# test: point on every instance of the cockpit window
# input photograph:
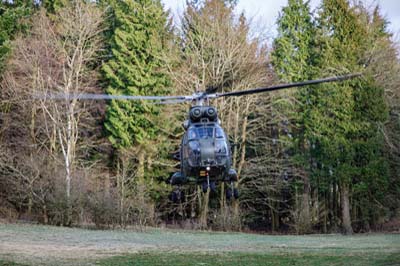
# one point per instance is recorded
(219, 133)
(201, 132)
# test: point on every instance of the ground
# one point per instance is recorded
(46, 245)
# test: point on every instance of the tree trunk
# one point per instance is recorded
(141, 189)
(334, 206)
(140, 177)
(346, 221)
(121, 164)
(236, 203)
(204, 209)
(326, 206)
(67, 142)
(106, 185)
(305, 219)
(222, 203)
(45, 216)
(272, 213)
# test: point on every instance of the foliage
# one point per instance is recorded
(309, 160)
(335, 132)
(294, 57)
(135, 68)
(13, 19)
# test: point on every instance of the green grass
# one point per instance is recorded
(22, 245)
(247, 259)
(10, 263)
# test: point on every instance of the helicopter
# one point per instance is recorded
(205, 151)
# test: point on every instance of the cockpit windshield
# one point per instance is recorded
(205, 132)
(219, 133)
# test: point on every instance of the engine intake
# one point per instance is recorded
(199, 113)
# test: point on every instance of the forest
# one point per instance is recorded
(318, 159)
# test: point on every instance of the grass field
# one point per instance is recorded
(45, 245)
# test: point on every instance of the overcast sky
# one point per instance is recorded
(267, 10)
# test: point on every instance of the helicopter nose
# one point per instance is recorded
(207, 151)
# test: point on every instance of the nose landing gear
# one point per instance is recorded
(208, 184)
(178, 196)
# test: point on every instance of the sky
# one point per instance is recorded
(267, 11)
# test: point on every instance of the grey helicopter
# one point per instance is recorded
(205, 151)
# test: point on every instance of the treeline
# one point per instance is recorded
(323, 158)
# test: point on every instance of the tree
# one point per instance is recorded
(218, 52)
(56, 58)
(293, 57)
(138, 38)
(352, 111)
(135, 69)
(333, 126)
(374, 190)
(13, 19)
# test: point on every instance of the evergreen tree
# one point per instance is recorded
(372, 179)
(292, 54)
(335, 127)
(13, 18)
(52, 6)
(340, 39)
(137, 39)
(293, 58)
(349, 112)
(135, 69)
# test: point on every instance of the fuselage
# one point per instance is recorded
(205, 151)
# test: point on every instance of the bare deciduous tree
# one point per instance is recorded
(57, 57)
(218, 52)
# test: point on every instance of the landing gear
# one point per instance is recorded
(232, 192)
(177, 179)
(208, 184)
(177, 196)
(232, 175)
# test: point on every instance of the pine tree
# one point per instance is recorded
(349, 112)
(340, 36)
(293, 58)
(135, 69)
(138, 33)
(13, 19)
(336, 135)
(371, 181)
(292, 54)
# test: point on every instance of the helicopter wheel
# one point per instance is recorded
(228, 193)
(232, 193)
(235, 193)
(182, 197)
(212, 186)
(177, 196)
(204, 187)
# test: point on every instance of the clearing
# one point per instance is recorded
(22, 244)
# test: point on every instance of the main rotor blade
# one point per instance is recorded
(285, 86)
(92, 96)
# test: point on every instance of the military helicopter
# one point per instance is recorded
(205, 151)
